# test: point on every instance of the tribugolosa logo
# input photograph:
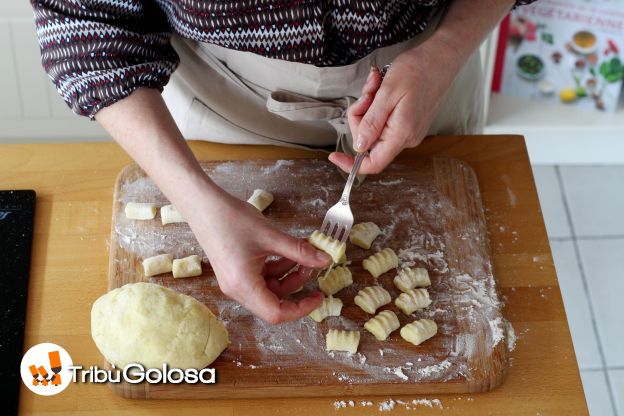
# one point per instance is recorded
(45, 369)
(4, 214)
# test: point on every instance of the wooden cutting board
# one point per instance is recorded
(430, 213)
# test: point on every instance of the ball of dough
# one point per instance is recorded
(151, 325)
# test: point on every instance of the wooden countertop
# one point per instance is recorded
(74, 185)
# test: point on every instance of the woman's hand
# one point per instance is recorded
(237, 239)
(395, 114)
(398, 114)
(235, 235)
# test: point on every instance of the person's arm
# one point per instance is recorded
(97, 52)
(114, 75)
(398, 114)
(143, 126)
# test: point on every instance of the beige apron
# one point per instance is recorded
(229, 96)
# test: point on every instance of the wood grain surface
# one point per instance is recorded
(430, 212)
(75, 182)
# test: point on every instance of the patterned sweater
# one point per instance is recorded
(98, 51)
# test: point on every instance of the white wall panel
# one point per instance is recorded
(31, 78)
(11, 9)
(10, 101)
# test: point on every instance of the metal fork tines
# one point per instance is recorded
(339, 219)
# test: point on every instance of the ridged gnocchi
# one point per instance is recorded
(412, 277)
(382, 324)
(336, 249)
(261, 199)
(341, 340)
(419, 331)
(381, 262)
(330, 307)
(363, 234)
(335, 280)
(413, 300)
(372, 297)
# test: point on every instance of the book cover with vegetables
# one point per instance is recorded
(567, 51)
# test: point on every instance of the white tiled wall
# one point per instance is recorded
(582, 207)
(30, 108)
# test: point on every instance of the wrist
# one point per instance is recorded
(444, 53)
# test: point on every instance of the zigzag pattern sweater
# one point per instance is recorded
(98, 51)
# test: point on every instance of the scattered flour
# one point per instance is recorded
(498, 334)
(278, 165)
(433, 369)
(339, 404)
(427, 402)
(511, 336)
(389, 183)
(316, 203)
(387, 405)
(397, 371)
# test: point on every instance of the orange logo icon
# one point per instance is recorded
(55, 366)
(45, 369)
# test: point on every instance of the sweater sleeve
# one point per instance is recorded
(98, 51)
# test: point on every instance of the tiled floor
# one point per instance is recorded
(583, 207)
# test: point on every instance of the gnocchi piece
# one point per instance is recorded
(261, 199)
(372, 297)
(334, 248)
(140, 210)
(381, 262)
(419, 331)
(413, 300)
(187, 267)
(335, 280)
(382, 324)
(160, 264)
(169, 214)
(363, 234)
(330, 307)
(412, 277)
(341, 340)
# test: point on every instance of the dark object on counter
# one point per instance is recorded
(17, 211)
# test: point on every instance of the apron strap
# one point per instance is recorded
(297, 107)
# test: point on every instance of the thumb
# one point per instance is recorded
(298, 250)
(372, 123)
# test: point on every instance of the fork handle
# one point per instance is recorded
(352, 175)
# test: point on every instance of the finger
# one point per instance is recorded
(278, 268)
(359, 107)
(380, 156)
(343, 161)
(290, 283)
(265, 304)
(373, 82)
(295, 249)
(373, 122)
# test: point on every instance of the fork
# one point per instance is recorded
(339, 218)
